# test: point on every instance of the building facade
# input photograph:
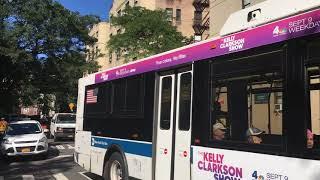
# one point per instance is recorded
(201, 19)
(180, 13)
(98, 52)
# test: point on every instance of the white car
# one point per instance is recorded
(63, 125)
(24, 138)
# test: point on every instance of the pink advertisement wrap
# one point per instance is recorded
(221, 164)
(289, 28)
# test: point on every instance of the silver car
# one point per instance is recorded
(24, 138)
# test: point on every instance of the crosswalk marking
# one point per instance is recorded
(70, 147)
(83, 174)
(59, 147)
(60, 176)
(27, 177)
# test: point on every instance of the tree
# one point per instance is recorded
(144, 33)
(42, 51)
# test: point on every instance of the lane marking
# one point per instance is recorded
(59, 147)
(27, 177)
(60, 176)
(62, 156)
(70, 147)
(82, 173)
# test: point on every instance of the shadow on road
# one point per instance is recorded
(52, 153)
(45, 167)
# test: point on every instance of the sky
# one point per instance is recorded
(85, 7)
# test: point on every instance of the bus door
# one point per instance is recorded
(173, 133)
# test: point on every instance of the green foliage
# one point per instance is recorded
(144, 33)
(42, 51)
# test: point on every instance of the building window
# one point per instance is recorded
(119, 13)
(118, 54)
(89, 56)
(178, 15)
(97, 34)
(118, 31)
(169, 12)
(127, 4)
(246, 3)
(135, 3)
(110, 57)
(96, 52)
(92, 53)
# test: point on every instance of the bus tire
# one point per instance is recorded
(115, 168)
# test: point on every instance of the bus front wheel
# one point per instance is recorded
(115, 168)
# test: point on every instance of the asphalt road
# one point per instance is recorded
(59, 165)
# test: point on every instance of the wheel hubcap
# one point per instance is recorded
(116, 171)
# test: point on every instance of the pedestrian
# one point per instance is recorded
(3, 125)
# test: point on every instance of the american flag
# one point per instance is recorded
(92, 96)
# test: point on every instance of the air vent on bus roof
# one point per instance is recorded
(265, 12)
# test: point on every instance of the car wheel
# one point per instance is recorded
(44, 156)
(115, 168)
(7, 159)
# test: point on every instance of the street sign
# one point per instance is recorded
(71, 106)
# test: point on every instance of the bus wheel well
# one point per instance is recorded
(112, 149)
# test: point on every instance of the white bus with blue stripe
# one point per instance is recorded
(158, 118)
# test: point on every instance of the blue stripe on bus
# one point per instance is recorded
(137, 148)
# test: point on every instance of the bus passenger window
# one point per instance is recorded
(313, 131)
(265, 109)
(248, 109)
(220, 114)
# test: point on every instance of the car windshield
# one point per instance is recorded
(66, 118)
(23, 128)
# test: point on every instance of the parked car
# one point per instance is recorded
(63, 125)
(24, 138)
(45, 124)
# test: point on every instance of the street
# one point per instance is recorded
(59, 165)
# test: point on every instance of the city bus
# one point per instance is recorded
(156, 118)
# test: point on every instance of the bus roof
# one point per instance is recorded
(265, 12)
(302, 24)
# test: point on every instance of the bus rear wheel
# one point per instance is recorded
(115, 168)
